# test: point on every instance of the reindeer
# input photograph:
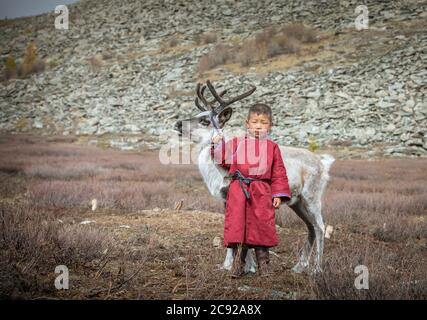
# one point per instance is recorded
(308, 173)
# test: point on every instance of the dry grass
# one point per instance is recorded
(96, 62)
(33, 242)
(205, 38)
(31, 64)
(266, 44)
(169, 43)
(299, 32)
(11, 70)
(173, 42)
(219, 55)
(393, 273)
(137, 246)
(64, 175)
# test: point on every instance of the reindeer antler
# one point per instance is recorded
(224, 104)
(207, 105)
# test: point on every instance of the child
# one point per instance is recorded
(259, 184)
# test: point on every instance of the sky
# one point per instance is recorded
(22, 8)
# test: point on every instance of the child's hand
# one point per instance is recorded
(276, 202)
(217, 138)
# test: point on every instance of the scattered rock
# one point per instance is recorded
(86, 222)
(217, 242)
(94, 204)
(329, 231)
(117, 78)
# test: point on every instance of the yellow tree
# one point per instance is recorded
(29, 59)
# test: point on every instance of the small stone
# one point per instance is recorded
(94, 203)
(328, 232)
(38, 124)
(390, 127)
(86, 222)
(178, 205)
(217, 242)
(407, 109)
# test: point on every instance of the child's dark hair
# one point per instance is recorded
(261, 108)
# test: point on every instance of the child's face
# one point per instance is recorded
(258, 124)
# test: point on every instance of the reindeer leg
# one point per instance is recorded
(304, 259)
(319, 229)
(314, 216)
(250, 262)
(228, 262)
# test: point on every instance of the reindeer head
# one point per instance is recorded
(214, 113)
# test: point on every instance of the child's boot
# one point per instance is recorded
(239, 261)
(263, 261)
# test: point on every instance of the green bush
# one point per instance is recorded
(313, 145)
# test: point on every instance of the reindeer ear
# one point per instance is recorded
(225, 115)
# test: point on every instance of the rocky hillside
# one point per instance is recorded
(116, 77)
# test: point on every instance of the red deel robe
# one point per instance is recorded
(252, 221)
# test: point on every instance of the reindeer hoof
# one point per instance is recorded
(316, 270)
(299, 268)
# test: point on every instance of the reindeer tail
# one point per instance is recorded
(327, 161)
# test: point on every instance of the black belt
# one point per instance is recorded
(237, 175)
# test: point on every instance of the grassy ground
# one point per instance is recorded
(138, 244)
